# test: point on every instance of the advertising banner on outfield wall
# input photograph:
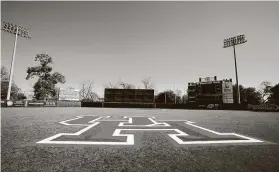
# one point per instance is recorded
(227, 91)
(42, 103)
(209, 106)
(35, 103)
(50, 104)
(19, 103)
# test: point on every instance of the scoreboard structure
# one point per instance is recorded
(210, 91)
(129, 95)
(69, 93)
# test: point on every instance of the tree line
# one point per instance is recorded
(45, 87)
(16, 92)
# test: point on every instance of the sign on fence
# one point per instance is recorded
(209, 106)
(271, 107)
(48, 103)
(227, 90)
(19, 103)
(41, 103)
(35, 103)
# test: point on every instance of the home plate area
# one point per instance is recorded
(122, 130)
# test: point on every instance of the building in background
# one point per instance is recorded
(70, 94)
(210, 91)
(129, 95)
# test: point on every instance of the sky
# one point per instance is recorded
(172, 42)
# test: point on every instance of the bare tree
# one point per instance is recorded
(86, 93)
(264, 90)
(185, 98)
(178, 92)
(4, 73)
(126, 85)
(178, 98)
(147, 83)
(121, 84)
(110, 85)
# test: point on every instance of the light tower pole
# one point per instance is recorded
(17, 31)
(232, 42)
(174, 95)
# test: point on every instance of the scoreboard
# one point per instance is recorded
(210, 91)
(129, 95)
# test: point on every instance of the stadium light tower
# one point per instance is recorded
(232, 42)
(17, 31)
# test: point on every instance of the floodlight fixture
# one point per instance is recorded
(232, 42)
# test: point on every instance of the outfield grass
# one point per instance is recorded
(22, 127)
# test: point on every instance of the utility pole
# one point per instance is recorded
(174, 95)
(154, 100)
(58, 94)
(236, 76)
(17, 31)
(184, 101)
(165, 97)
(232, 42)
(82, 91)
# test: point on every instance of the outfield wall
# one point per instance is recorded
(141, 105)
(264, 107)
(32, 103)
(157, 105)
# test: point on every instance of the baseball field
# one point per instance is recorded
(144, 140)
